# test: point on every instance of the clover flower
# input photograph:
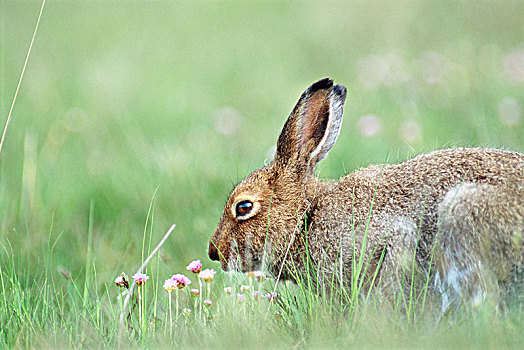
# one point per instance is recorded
(140, 278)
(195, 292)
(208, 302)
(170, 285)
(181, 280)
(207, 275)
(122, 281)
(256, 294)
(194, 266)
(240, 296)
(228, 290)
(186, 311)
(244, 289)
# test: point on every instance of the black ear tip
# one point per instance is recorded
(321, 85)
(340, 90)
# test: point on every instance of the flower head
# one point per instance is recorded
(256, 293)
(240, 296)
(244, 289)
(208, 302)
(186, 311)
(170, 285)
(260, 276)
(271, 296)
(207, 275)
(228, 290)
(140, 278)
(195, 292)
(194, 266)
(181, 280)
(122, 281)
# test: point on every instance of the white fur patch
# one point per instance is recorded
(454, 285)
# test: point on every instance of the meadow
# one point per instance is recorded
(133, 116)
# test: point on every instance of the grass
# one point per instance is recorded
(118, 132)
(52, 309)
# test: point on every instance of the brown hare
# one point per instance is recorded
(452, 218)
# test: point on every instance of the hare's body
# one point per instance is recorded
(467, 200)
(454, 216)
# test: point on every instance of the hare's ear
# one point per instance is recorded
(312, 127)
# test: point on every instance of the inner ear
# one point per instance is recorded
(314, 121)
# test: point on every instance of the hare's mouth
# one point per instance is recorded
(239, 264)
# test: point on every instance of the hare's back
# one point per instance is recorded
(428, 177)
(444, 169)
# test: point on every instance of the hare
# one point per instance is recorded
(453, 218)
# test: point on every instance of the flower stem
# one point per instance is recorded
(200, 296)
(140, 307)
(208, 295)
(171, 317)
(176, 315)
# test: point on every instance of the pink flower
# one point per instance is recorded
(208, 302)
(240, 296)
(194, 266)
(181, 280)
(260, 276)
(140, 278)
(195, 292)
(271, 296)
(170, 285)
(256, 293)
(122, 280)
(207, 275)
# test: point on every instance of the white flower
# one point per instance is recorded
(207, 275)
(170, 285)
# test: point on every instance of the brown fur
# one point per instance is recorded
(458, 212)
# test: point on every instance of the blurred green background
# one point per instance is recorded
(122, 98)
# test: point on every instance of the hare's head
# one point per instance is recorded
(264, 211)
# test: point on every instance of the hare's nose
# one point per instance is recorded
(213, 252)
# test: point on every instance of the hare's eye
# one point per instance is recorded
(243, 208)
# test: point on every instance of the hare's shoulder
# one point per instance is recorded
(364, 177)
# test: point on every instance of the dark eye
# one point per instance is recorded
(243, 208)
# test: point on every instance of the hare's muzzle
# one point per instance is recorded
(213, 251)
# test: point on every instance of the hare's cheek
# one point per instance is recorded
(234, 262)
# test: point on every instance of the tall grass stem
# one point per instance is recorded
(21, 77)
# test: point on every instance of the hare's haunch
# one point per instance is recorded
(452, 217)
